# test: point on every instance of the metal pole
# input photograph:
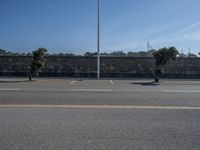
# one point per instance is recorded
(98, 42)
(148, 46)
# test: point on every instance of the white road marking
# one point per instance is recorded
(180, 91)
(9, 89)
(90, 90)
(111, 82)
(71, 83)
(104, 107)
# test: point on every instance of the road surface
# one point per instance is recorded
(82, 114)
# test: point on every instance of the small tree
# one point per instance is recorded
(162, 56)
(37, 62)
(3, 52)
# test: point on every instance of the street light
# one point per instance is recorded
(98, 42)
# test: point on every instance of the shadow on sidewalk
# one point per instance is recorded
(146, 83)
(13, 81)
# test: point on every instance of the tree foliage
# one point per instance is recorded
(3, 52)
(90, 54)
(118, 53)
(163, 55)
(190, 55)
(39, 59)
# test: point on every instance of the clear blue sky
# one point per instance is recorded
(69, 26)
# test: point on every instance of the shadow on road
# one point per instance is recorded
(146, 83)
(21, 81)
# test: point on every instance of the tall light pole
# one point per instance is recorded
(98, 42)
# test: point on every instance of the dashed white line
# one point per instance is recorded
(102, 107)
(111, 82)
(90, 90)
(73, 82)
(180, 91)
(9, 89)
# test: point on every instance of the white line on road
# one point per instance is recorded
(9, 89)
(103, 107)
(180, 91)
(111, 82)
(90, 90)
(71, 83)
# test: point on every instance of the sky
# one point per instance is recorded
(70, 26)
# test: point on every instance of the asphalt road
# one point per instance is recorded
(99, 129)
(100, 92)
(105, 114)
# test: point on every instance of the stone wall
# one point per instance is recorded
(110, 67)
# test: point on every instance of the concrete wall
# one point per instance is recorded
(110, 67)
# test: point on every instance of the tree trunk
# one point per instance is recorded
(36, 73)
(157, 74)
(30, 75)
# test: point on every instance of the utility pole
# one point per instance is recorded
(189, 52)
(98, 42)
(148, 46)
(182, 52)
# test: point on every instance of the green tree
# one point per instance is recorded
(90, 54)
(190, 55)
(118, 53)
(162, 56)
(3, 52)
(37, 62)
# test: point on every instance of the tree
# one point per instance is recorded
(162, 56)
(89, 54)
(118, 53)
(190, 55)
(3, 52)
(38, 62)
